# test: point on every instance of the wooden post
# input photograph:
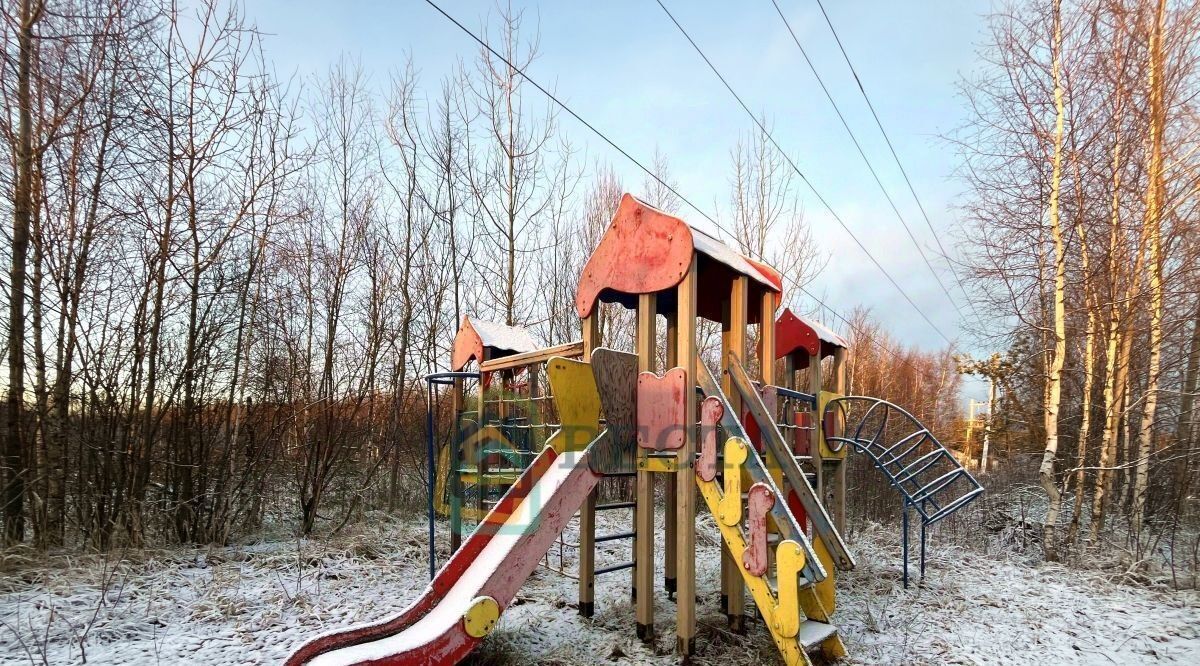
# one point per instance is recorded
(643, 545)
(814, 442)
(671, 490)
(766, 364)
(587, 513)
(534, 415)
(734, 343)
(767, 346)
(839, 476)
(685, 571)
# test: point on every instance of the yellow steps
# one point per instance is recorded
(793, 610)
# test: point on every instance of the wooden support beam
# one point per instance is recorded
(685, 570)
(839, 476)
(587, 513)
(566, 350)
(766, 364)
(670, 531)
(643, 575)
(734, 343)
(814, 442)
(767, 343)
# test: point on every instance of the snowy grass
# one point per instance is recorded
(256, 602)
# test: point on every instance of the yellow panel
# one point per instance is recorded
(789, 558)
(730, 509)
(657, 464)
(480, 618)
(826, 452)
(821, 603)
(574, 388)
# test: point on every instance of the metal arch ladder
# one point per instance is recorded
(928, 477)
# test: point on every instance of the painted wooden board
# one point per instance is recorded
(711, 411)
(792, 334)
(781, 452)
(824, 601)
(616, 380)
(833, 423)
(574, 388)
(730, 510)
(789, 559)
(783, 519)
(790, 649)
(643, 251)
(758, 506)
(661, 421)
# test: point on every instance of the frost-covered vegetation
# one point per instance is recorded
(253, 603)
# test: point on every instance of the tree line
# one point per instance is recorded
(1081, 163)
(226, 284)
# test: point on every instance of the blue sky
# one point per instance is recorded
(625, 67)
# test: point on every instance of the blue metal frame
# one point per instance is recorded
(904, 461)
(432, 380)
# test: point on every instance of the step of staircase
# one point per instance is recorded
(812, 633)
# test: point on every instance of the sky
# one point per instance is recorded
(624, 67)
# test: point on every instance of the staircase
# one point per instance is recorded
(784, 593)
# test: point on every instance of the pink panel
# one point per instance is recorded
(660, 410)
(758, 505)
(711, 411)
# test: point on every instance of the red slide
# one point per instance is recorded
(494, 562)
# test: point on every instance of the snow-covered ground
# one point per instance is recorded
(254, 603)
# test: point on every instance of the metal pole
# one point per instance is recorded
(431, 470)
(904, 542)
(922, 552)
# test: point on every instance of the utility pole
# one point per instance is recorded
(971, 405)
(987, 425)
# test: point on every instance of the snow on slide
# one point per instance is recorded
(494, 562)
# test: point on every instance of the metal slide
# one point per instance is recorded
(462, 603)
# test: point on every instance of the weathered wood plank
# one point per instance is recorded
(822, 524)
(685, 602)
(616, 378)
(565, 350)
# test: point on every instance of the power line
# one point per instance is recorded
(870, 167)
(803, 177)
(895, 156)
(850, 325)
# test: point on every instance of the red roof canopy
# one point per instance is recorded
(483, 340)
(647, 251)
(794, 333)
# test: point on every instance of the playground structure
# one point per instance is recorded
(527, 451)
